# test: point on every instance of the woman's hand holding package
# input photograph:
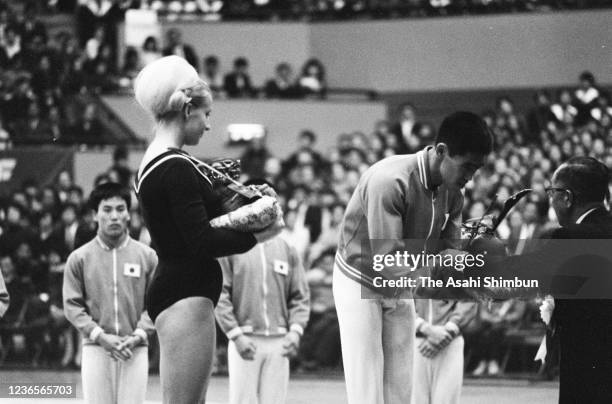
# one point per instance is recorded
(254, 217)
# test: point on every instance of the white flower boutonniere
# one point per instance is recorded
(546, 309)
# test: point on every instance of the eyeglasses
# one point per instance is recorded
(550, 191)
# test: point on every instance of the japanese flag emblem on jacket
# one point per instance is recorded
(281, 267)
(132, 270)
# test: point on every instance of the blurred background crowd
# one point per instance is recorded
(348, 9)
(47, 95)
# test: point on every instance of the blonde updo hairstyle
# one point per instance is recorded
(165, 87)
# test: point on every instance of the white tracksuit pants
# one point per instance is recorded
(438, 380)
(264, 379)
(377, 338)
(110, 381)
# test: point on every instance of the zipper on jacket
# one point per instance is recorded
(433, 216)
(265, 289)
(116, 303)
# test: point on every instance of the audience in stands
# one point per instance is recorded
(176, 46)
(404, 130)
(150, 51)
(282, 85)
(340, 10)
(312, 83)
(237, 83)
(586, 96)
(212, 75)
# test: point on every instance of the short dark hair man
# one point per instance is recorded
(104, 287)
(413, 196)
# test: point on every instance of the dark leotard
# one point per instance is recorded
(177, 202)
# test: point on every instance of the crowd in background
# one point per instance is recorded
(49, 83)
(351, 9)
(39, 226)
(45, 82)
(235, 83)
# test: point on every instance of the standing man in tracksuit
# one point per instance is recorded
(438, 362)
(104, 289)
(263, 310)
(415, 196)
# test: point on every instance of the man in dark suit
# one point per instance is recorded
(575, 266)
(583, 326)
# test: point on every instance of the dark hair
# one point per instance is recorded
(309, 134)
(465, 132)
(241, 62)
(283, 65)
(587, 76)
(76, 188)
(587, 177)
(318, 64)
(109, 190)
(120, 153)
(211, 60)
(148, 40)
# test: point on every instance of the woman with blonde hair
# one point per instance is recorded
(178, 202)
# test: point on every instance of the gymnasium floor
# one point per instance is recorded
(306, 389)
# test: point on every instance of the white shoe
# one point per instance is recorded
(493, 368)
(480, 369)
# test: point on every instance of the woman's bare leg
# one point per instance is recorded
(186, 333)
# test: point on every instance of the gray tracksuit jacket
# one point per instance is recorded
(265, 291)
(395, 201)
(104, 289)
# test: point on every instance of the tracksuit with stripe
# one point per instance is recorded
(394, 200)
(104, 291)
(265, 295)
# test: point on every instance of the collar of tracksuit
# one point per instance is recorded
(108, 248)
(423, 166)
